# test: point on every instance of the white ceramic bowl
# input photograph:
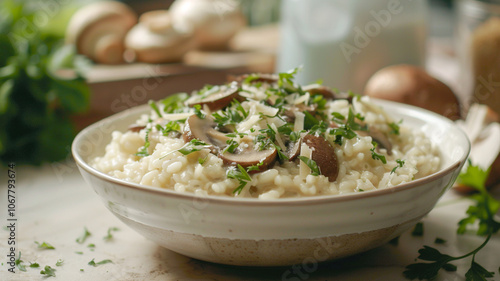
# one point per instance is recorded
(280, 232)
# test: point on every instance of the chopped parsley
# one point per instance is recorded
(34, 265)
(483, 211)
(143, 151)
(109, 236)
(59, 262)
(418, 230)
(315, 171)
(19, 263)
(395, 127)
(231, 146)
(400, 164)
(241, 175)
(439, 240)
(84, 236)
(95, 264)
(154, 106)
(48, 271)
(193, 146)
(171, 126)
(197, 111)
(44, 245)
(174, 103)
(377, 156)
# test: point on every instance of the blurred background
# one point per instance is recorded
(64, 64)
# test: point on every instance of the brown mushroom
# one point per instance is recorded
(412, 85)
(380, 138)
(98, 30)
(156, 40)
(324, 156)
(327, 93)
(249, 156)
(203, 129)
(136, 128)
(219, 99)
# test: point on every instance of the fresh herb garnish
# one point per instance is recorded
(400, 165)
(377, 156)
(84, 236)
(44, 245)
(109, 236)
(171, 126)
(34, 265)
(309, 120)
(95, 264)
(439, 240)
(153, 105)
(395, 127)
(91, 246)
(315, 171)
(255, 167)
(174, 103)
(483, 211)
(197, 111)
(418, 230)
(59, 262)
(143, 151)
(338, 118)
(231, 146)
(193, 146)
(19, 263)
(241, 175)
(48, 271)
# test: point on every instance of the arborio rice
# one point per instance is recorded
(266, 137)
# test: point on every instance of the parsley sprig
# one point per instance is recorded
(311, 164)
(483, 211)
(241, 175)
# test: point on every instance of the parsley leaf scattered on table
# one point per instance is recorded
(84, 236)
(34, 265)
(44, 245)
(20, 264)
(59, 262)
(483, 211)
(93, 263)
(48, 271)
(418, 230)
(109, 236)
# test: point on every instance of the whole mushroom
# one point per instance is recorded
(98, 30)
(213, 22)
(413, 85)
(156, 40)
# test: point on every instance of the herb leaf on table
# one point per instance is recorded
(483, 211)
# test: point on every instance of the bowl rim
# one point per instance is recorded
(295, 201)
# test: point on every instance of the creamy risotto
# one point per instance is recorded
(265, 137)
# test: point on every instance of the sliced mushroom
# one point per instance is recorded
(203, 129)
(380, 138)
(136, 128)
(289, 112)
(327, 93)
(98, 30)
(324, 156)
(249, 156)
(218, 100)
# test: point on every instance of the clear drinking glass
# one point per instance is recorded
(478, 48)
(345, 42)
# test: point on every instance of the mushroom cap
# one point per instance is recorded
(413, 85)
(218, 100)
(155, 40)
(324, 156)
(98, 30)
(213, 22)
